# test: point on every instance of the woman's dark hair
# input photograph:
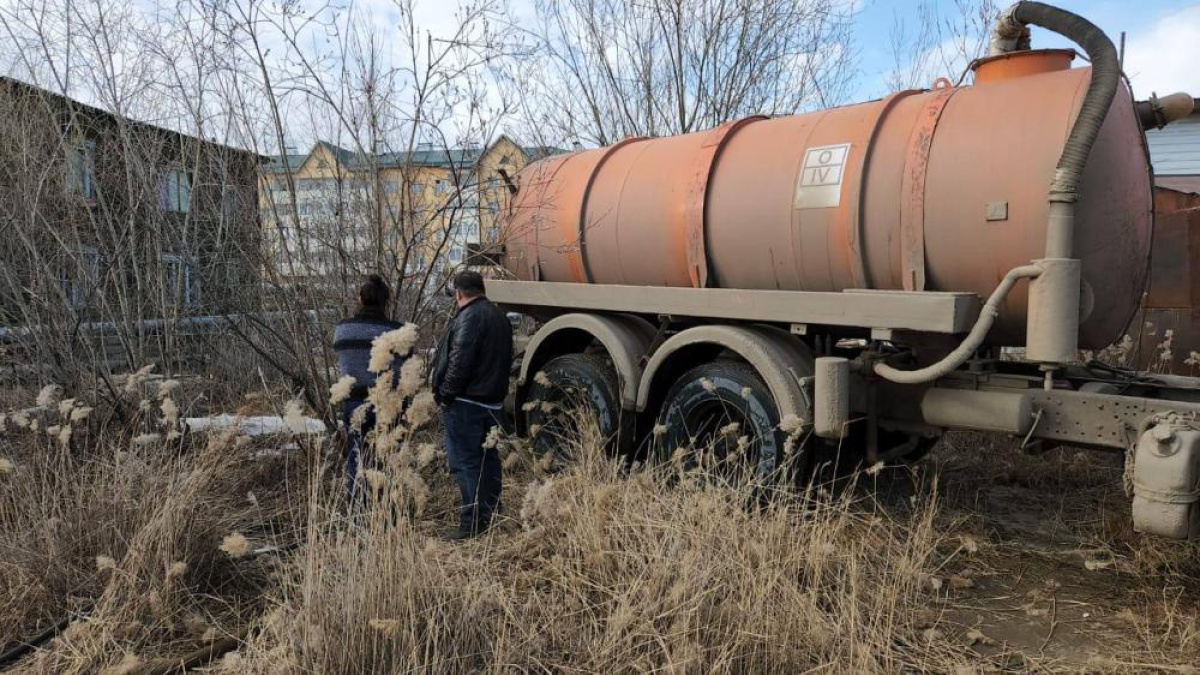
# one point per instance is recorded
(374, 292)
(470, 283)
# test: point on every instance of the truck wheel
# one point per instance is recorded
(574, 385)
(724, 421)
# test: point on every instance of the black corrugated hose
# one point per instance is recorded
(1106, 76)
(23, 647)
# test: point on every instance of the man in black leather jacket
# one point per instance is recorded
(470, 381)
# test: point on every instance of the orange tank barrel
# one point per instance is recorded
(940, 190)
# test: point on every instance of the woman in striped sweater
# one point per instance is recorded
(352, 340)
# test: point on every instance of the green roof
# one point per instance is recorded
(443, 158)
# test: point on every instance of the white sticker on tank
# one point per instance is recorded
(821, 177)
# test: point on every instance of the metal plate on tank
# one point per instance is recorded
(821, 178)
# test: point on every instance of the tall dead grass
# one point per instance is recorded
(123, 533)
(597, 571)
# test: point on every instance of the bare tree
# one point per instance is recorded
(607, 69)
(262, 77)
(944, 42)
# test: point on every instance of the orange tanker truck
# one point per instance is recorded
(848, 278)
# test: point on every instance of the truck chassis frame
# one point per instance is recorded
(782, 335)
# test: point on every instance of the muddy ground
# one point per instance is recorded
(1048, 573)
(1042, 570)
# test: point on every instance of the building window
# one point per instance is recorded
(175, 192)
(181, 288)
(231, 202)
(440, 187)
(81, 170)
(455, 255)
(416, 188)
(80, 275)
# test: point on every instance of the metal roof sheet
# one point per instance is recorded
(1175, 149)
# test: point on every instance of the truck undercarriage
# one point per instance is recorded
(814, 354)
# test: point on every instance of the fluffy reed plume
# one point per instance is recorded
(167, 387)
(293, 417)
(340, 391)
(48, 396)
(170, 413)
(236, 545)
(392, 344)
(133, 383)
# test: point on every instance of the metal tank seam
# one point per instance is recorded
(858, 269)
(587, 193)
(535, 266)
(912, 213)
(696, 208)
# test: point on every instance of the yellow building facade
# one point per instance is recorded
(333, 212)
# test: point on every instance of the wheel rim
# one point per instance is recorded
(721, 442)
(567, 415)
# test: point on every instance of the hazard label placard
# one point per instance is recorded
(821, 177)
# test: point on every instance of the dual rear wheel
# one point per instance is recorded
(718, 418)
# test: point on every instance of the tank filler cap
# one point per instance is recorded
(1021, 64)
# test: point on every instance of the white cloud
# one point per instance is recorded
(1165, 57)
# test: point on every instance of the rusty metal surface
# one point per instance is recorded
(585, 223)
(1001, 142)
(1167, 330)
(877, 141)
(912, 191)
(697, 198)
(1021, 64)
(817, 202)
(1189, 184)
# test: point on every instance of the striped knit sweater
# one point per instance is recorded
(352, 340)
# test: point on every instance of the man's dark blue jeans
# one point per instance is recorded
(476, 469)
(354, 451)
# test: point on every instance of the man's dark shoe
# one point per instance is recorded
(460, 535)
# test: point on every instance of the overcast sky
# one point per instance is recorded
(1162, 44)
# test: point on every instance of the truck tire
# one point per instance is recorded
(696, 419)
(573, 384)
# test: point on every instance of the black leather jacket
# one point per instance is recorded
(475, 355)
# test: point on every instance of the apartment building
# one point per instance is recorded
(331, 213)
(110, 218)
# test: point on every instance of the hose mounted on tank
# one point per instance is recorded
(1053, 328)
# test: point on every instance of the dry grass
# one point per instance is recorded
(599, 572)
(593, 568)
(130, 533)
